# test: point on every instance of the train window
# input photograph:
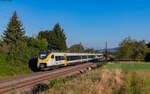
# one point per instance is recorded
(70, 58)
(59, 58)
(91, 56)
(62, 58)
(84, 57)
(42, 56)
(99, 55)
(52, 56)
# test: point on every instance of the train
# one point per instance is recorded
(52, 59)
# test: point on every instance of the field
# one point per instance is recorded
(129, 66)
(113, 78)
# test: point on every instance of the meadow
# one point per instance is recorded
(113, 78)
(125, 66)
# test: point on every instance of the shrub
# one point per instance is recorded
(101, 64)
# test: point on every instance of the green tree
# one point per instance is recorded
(89, 50)
(56, 38)
(132, 50)
(50, 36)
(14, 31)
(126, 49)
(147, 58)
(60, 38)
(40, 44)
(76, 47)
(141, 50)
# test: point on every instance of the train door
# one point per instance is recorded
(60, 59)
(65, 61)
(52, 60)
(81, 58)
(87, 58)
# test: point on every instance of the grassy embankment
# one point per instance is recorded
(8, 69)
(120, 78)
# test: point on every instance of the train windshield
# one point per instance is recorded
(43, 54)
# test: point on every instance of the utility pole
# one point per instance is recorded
(106, 52)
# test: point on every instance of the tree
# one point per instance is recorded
(126, 49)
(141, 50)
(40, 44)
(89, 50)
(76, 47)
(148, 45)
(56, 38)
(50, 36)
(60, 37)
(132, 50)
(147, 58)
(14, 31)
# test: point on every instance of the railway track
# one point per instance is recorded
(27, 83)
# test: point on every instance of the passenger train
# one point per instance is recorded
(51, 60)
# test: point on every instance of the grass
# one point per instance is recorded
(128, 66)
(110, 79)
(76, 85)
(137, 82)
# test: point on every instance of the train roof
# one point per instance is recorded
(57, 51)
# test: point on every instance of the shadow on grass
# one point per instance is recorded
(39, 88)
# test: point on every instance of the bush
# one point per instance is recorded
(60, 80)
(21, 57)
(8, 68)
(101, 64)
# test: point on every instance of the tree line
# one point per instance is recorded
(130, 49)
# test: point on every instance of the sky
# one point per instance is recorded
(91, 22)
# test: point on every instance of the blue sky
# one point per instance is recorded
(91, 22)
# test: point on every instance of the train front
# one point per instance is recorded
(42, 60)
